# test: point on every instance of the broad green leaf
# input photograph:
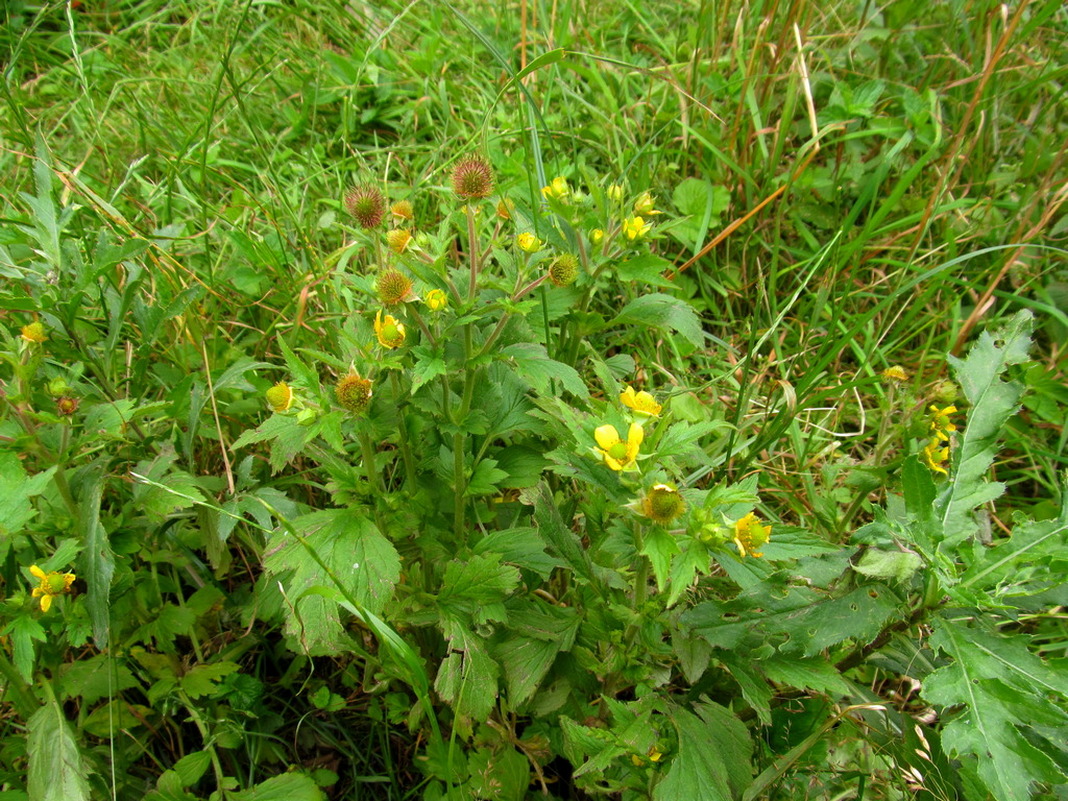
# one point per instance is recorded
(660, 547)
(522, 466)
(663, 313)
(699, 771)
(427, 365)
(467, 678)
(809, 674)
(647, 269)
(561, 538)
(993, 402)
(523, 547)
(1020, 565)
(285, 787)
(476, 588)
(533, 365)
(525, 661)
(57, 770)
(353, 549)
(16, 489)
(192, 766)
(999, 699)
(23, 630)
(499, 774)
(204, 680)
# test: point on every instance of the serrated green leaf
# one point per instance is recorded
(202, 680)
(647, 269)
(993, 402)
(16, 489)
(467, 678)
(995, 694)
(663, 313)
(476, 587)
(23, 630)
(97, 563)
(698, 771)
(427, 365)
(525, 661)
(286, 787)
(809, 674)
(660, 547)
(57, 770)
(523, 547)
(354, 550)
(192, 766)
(533, 365)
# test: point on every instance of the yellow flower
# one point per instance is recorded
(436, 300)
(596, 236)
(617, 454)
(643, 206)
(34, 332)
(390, 331)
(280, 396)
(51, 585)
(636, 228)
(504, 208)
(934, 454)
(941, 427)
(641, 403)
(528, 243)
(896, 374)
(750, 534)
(557, 189)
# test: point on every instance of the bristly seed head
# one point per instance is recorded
(366, 204)
(354, 393)
(564, 270)
(472, 178)
(393, 287)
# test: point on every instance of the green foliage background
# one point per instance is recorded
(448, 596)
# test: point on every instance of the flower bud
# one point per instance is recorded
(67, 405)
(895, 374)
(58, 387)
(354, 393)
(279, 397)
(644, 206)
(615, 193)
(528, 243)
(504, 208)
(596, 236)
(557, 189)
(436, 300)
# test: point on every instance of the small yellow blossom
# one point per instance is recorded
(34, 332)
(504, 208)
(51, 585)
(280, 397)
(596, 236)
(750, 534)
(641, 403)
(644, 205)
(528, 243)
(557, 189)
(635, 228)
(617, 454)
(895, 374)
(941, 427)
(390, 331)
(934, 454)
(436, 300)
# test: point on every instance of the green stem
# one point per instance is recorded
(472, 251)
(373, 478)
(402, 432)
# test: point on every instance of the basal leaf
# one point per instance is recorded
(285, 787)
(57, 771)
(533, 365)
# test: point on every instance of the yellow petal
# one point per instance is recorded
(36, 571)
(635, 436)
(46, 602)
(606, 437)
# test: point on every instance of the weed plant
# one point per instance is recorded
(522, 400)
